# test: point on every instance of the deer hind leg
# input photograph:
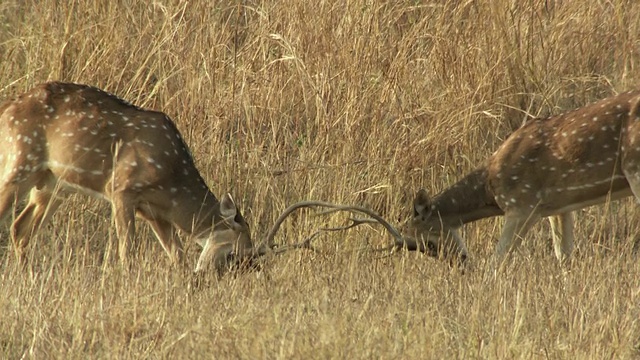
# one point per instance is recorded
(562, 233)
(632, 173)
(13, 189)
(41, 206)
(515, 227)
(10, 195)
(123, 206)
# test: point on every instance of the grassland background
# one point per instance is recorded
(360, 102)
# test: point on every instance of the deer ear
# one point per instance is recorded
(230, 212)
(421, 204)
(228, 208)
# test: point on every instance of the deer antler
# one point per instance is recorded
(306, 244)
(400, 242)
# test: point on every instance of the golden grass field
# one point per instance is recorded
(356, 102)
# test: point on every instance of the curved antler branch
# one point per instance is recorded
(334, 208)
(399, 240)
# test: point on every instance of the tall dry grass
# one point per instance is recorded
(348, 101)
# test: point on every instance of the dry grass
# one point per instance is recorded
(357, 102)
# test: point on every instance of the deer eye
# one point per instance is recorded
(238, 218)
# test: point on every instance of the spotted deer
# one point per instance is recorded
(61, 137)
(548, 167)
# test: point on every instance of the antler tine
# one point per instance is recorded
(306, 244)
(399, 239)
(354, 222)
(276, 226)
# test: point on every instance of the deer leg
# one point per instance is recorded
(124, 218)
(460, 245)
(562, 233)
(37, 213)
(515, 227)
(166, 234)
(632, 173)
(9, 196)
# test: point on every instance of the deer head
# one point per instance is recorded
(427, 226)
(232, 238)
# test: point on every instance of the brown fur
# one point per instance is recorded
(71, 137)
(547, 167)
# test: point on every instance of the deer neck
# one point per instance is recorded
(466, 201)
(197, 212)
